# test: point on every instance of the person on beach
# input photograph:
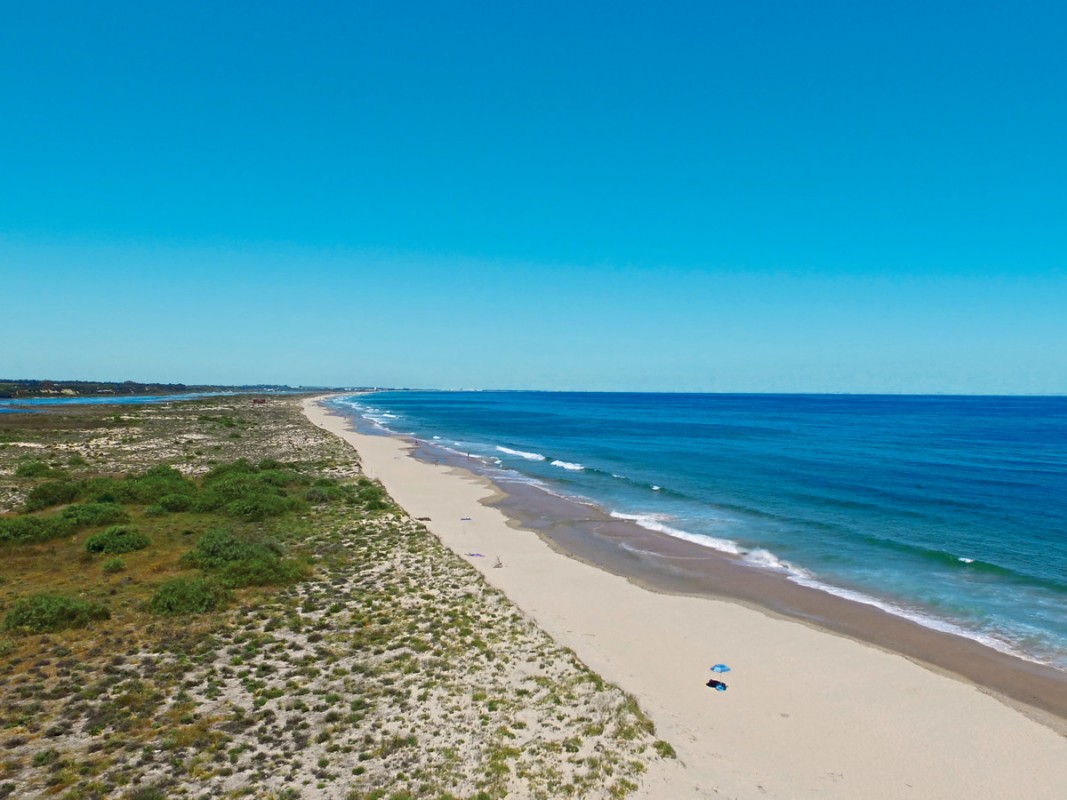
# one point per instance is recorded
(718, 686)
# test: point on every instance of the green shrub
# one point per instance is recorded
(241, 466)
(117, 539)
(176, 502)
(41, 613)
(88, 515)
(113, 565)
(44, 757)
(255, 507)
(187, 596)
(34, 529)
(35, 469)
(77, 460)
(243, 562)
(325, 490)
(262, 571)
(317, 495)
(215, 548)
(52, 493)
(372, 495)
(153, 485)
(280, 477)
(147, 793)
(218, 547)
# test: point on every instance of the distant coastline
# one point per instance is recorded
(28, 388)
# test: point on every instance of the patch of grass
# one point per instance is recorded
(187, 596)
(117, 539)
(40, 613)
(147, 793)
(113, 565)
(664, 749)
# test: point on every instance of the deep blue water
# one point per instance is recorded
(950, 510)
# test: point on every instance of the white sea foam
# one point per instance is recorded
(656, 488)
(926, 620)
(521, 454)
(759, 557)
(965, 560)
(567, 465)
(765, 559)
(653, 522)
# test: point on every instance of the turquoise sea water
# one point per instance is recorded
(948, 510)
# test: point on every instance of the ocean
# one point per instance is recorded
(950, 511)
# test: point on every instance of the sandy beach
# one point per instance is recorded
(808, 712)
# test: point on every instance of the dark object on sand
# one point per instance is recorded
(718, 686)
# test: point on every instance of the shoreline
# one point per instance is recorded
(876, 684)
(662, 563)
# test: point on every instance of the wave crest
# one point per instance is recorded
(521, 454)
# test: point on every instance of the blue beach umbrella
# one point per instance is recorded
(720, 668)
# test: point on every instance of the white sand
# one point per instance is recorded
(807, 713)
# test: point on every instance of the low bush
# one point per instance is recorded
(117, 539)
(187, 596)
(371, 495)
(246, 492)
(325, 490)
(34, 529)
(243, 562)
(36, 469)
(219, 547)
(42, 613)
(259, 506)
(263, 571)
(113, 565)
(153, 485)
(52, 493)
(88, 515)
(317, 495)
(176, 502)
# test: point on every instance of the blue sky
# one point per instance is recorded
(766, 196)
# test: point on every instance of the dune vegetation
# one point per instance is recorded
(209, 599)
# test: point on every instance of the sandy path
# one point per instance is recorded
(807, 714)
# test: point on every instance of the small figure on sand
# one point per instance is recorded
(498, 563)
(718, 686)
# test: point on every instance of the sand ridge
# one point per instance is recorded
(807, 713)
